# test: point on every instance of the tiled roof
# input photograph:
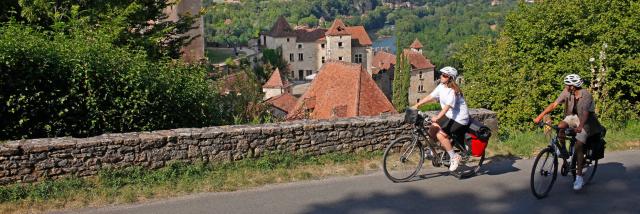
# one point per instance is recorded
(341, 89)
(233, 82)
(276, 81)
(281, 28)
(337, 29)
(360, 34)
(416, 44)
(309, 35)
(417, 60)
(284, 102)
(383, 61)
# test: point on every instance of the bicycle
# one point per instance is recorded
(407, 154)
(549, 156)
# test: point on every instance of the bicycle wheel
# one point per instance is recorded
(403, 159)
(588, 170)
(470, 165)
(544, 173)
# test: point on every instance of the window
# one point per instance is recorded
(420, 88)
(287, 39)
(357, 58)
(291, 57)
(339, 44)
(340, 58)
(308, 72)
(420, 74)
(300, 74)
(322, 59)
(292, 75)
(300, 57)
(322, 46)
(299, 46)
(418, 100)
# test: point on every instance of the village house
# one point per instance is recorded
(307, 49)
(422, 79)
(341, 89)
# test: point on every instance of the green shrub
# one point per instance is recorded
(81, 85)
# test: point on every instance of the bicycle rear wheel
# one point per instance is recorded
(588, 170)
(402, 159)
(544, 173)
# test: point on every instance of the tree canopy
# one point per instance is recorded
(521, 71)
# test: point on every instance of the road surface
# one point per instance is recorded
(504, 188)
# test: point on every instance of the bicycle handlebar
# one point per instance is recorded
(567, 131)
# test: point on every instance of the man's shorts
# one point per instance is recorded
(453, 128)
(574, 122)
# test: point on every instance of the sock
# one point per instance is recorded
(452, 154)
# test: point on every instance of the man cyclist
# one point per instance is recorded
(579, 111)
(453, 119)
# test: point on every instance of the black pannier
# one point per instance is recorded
(481, 131)
(596, 146)
(412, 116)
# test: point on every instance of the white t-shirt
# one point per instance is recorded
(447, 96)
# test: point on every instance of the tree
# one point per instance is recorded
(401, 81)
(521, 71)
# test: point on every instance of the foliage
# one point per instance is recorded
(430, 107)
(446, 25)
(80, 84)
(130, 23)
(520, 72)
(235, 24)
(401, 81)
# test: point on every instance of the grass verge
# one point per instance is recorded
(527, 144)
(136, 184)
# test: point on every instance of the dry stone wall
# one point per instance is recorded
(37, 159)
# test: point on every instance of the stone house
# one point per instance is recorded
(307, 49)
(276, 85)
(422, 80)
(341, 89)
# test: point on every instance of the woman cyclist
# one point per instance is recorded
(453, 119)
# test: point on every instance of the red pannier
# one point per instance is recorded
(477, 145)
(479, 134)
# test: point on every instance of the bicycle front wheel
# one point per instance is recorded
(544, 173)
(402, 159)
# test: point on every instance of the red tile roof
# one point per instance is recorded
(360, 34)
(276, 81)
(416, 44)
(341, 89)
(284, 102)
(337, 28)
(383, 61)
(417, 60)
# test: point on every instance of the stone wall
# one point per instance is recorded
(36, 159)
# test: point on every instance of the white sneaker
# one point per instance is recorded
(577, 185)
(454, 163)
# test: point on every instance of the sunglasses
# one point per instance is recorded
(445, 75)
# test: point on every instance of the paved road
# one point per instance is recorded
(503, 189)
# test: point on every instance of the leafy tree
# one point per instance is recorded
(401, 81)
(521, 72)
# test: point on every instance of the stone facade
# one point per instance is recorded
(37, 159)
(421, 84)
(316, 47)
(194, 51)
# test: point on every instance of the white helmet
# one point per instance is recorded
(573, 79)
(452, 72)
